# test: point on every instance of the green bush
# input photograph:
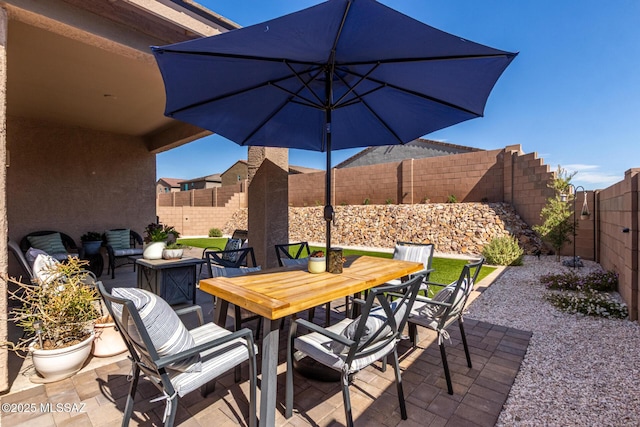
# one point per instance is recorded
(503, 251)
(215, 232)
(452, 199)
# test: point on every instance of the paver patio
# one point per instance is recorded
(96, 396)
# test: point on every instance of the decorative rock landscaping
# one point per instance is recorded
(463, 228)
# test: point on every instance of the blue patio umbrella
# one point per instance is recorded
(342, 74)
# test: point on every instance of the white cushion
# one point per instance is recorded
(32, 253)
(43, 266)
(415, 253)
(168, 334)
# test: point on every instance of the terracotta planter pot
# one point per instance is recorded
(60, 363)
(108, 341)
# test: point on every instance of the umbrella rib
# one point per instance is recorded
(353, 88)
(306, 84)
(426, 59)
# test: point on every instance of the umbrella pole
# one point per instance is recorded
(328, 209)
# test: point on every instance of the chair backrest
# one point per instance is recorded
(243, 235)
(456, 294)
(15, 248)
(417, 252)
(383, 318)
(67, 241)
(236, 258)
(134, 238)
(287, 251)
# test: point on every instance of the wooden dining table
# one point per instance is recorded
(280, 292)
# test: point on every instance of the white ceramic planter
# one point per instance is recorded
(317, 265)
(172, 253)
(107, 341)
(153, 250)
(60, 363)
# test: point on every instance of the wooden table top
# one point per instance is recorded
(280, 292)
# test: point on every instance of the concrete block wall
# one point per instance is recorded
(617, 223)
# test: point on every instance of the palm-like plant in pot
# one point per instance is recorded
(156, 237)
(57, 312)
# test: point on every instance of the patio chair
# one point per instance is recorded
(55, 243)
(176, 360)
(238, 240)
(417, 252)
(441, 311)
(298, 254)
(121, 243)
(232, 263)
(352, 344)
(17, 252)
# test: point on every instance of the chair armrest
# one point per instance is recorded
(322, 331)
(430, 301)
(358, 301)
(245, 333)
(193, 308)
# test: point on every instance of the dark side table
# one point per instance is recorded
(96, 262)
(173, 280)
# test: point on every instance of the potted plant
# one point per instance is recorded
(317, 262)
(57, 313)
(108, 341)
(174, 250)
(155, 239)
(91, 242)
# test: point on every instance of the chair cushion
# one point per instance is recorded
(376, 319)
(118, 239)
(218, 271)
(232, 245)
(167, 332)
(50, 243)
(128, 252)
(319, 347)
(443, 295)
(42, 266)
(215, 362)
(287, 262)
(32, 253)
(415, 253)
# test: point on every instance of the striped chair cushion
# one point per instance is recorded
(232, 245)
(118, 239)
(287, 262)
(168, 334)
(318, 347)
(50, 243)
(128, 252)
(215, 362)
(415, 253)
(218, 271)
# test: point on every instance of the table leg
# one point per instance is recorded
(269, 383)
(220, 315)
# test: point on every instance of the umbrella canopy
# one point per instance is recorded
(342, 74)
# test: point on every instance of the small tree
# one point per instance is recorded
(558, 225)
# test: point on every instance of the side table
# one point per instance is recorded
(173, 280)
(96, 262)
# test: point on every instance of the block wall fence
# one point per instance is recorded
(610, 236)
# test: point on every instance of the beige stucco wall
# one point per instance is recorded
(76, 180)
(230, 176)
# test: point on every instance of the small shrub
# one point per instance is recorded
(215, 232)
(425, 200)
(452, 199)
(603, 281)
(366, 201)
(503, 251)
(388, 201)
(589, 303)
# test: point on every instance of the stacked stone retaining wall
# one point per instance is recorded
(463, 228)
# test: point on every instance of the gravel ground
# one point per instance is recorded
(578, 370)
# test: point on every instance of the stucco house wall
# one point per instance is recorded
(238, 169)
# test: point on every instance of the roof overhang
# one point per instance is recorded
(87, 63)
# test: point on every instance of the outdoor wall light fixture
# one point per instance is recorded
(625, 230)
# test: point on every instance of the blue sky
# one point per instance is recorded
(572, 95)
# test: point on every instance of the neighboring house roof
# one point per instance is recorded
(170, 182)
(416, 149)
(301, 169)
(216, 177)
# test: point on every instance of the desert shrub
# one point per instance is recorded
(452, 199)
(215, 232)
(503, 251)
(603, 281)
(589, 303)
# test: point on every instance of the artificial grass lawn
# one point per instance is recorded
(446, 271)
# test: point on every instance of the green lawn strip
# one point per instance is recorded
(447, 270)
(204, 242)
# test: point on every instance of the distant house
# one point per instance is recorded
(417, 149)
(236, 173)
(208, 181)
(167, 185)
